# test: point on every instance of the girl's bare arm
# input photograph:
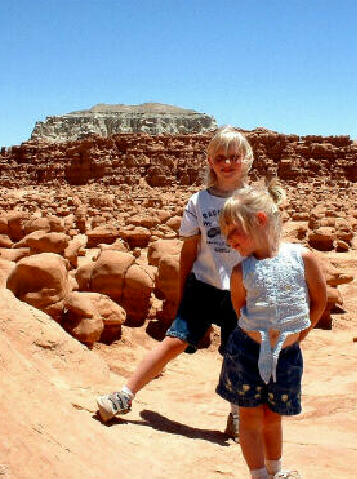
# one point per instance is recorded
(317, 290)
(237, 289)
(187, 258)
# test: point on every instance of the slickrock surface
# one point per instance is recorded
(48, 382)
(97, 263)
(106, 120)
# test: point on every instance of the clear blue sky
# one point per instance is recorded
(288, 65)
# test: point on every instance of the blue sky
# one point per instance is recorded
(287, 65)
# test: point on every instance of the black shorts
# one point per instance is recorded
(203, 305)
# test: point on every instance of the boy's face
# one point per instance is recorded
(227, 165)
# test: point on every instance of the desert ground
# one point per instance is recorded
(89, 254)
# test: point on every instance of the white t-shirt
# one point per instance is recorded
(215, 259)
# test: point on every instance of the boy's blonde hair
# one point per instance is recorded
(242, 208)
(224, 138)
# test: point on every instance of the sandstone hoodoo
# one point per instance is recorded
(89, 253)
(106, 120)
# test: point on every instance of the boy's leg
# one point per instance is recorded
(120, 402)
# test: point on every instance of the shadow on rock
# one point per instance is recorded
(160, 423)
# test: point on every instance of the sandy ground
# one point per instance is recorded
(178, 419)
(49, 428)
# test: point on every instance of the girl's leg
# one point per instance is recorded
(272, 440)
(120, 402)
(251, 436)
(155, 361)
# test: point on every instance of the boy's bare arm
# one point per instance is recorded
(187, 258)
(317, 290)
(237, 289)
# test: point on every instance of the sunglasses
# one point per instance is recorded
(227, 158)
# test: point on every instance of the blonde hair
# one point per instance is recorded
(223, 139)
(243, 206)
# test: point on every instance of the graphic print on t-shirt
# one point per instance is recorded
(213, 232)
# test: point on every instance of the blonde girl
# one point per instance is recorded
(206, 263)
(278, 292)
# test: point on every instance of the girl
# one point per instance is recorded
(279, 293)
(205, 267)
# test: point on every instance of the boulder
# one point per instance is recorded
(104, 234)
(4, 226)
(16, 222)
(6, 268)
(322, 238)
(56, 224)
(74, 248)
(136, 237)
(91, 317)
(83, 276)
(118, 245)
(42, 281)
(112, 315)
(165, 254)
(42, 242)
(333, 298)
(174, 223)
(136, 295)
(167, 279)
(36, 224)
(81, 319)
(109, 272)
(5, 241)
(161, 248)
(14, 254)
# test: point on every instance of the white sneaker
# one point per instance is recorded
(113, 404)
(286, 475)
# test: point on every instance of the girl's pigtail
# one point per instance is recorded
(276, 192)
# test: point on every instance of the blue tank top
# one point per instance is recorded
(276, 298)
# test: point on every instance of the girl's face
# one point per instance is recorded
(227, 165)
(240, 240)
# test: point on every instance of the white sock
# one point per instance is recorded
(259, 473)
(127, 392)
(273, 466)
(234, 410)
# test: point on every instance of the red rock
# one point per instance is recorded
(74, 248)
(42, 281)
(14, 254)
(322, 239)
(136, 295)
(6, 268)
(136, 237)
(161, 248)
(36, 224)
(41, 242)
(5, 241)
(109, 272)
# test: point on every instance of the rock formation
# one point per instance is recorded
(89, 235)
(107, 120)
(110, 208)
(167, 160)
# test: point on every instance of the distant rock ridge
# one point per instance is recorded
(106, 120)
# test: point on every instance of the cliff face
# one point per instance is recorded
(166, 160)
(107, 120)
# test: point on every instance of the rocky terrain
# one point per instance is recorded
(106, 120)
(88, 281)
